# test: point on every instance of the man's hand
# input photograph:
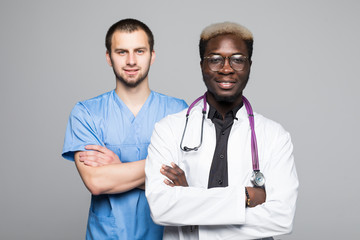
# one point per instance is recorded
(99, 156)
(175, 174)
(257, 196)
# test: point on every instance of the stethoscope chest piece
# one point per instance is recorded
(258, 179)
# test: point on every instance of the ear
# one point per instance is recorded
(153, 55)
(108, 58)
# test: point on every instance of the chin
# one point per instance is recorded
(225, 98)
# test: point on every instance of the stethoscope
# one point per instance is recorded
(257, 177)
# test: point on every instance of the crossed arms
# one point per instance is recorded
(176, 177)
(173, 203)
(103, 172)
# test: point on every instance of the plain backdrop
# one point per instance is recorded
(305, 75)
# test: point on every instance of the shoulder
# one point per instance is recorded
(174, 120)
(166, 104)
(270, 128)
(170, 125)
(94, 104)
(266, 122)
(97, 100)
(168, 100)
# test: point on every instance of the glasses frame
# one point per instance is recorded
(224, 59)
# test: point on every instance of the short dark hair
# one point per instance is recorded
(224, 28)
(128, 25)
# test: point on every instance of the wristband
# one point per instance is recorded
(247, 198)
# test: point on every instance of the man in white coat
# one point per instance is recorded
(199, 168)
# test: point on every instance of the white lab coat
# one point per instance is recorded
(220, 213)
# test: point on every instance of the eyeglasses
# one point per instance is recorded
(216, 62)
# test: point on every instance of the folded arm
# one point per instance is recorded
(100, 169)
(175, 176)
(103, 173)
(190, 205)
(180, 205)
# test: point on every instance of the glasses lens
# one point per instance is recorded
(237, 62)
(215, 62)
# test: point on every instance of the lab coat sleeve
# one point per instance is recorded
(80, 131)
(221, 211)
(276, 215)
(186, 205)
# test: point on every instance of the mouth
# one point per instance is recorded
(225, 84)
(131, 71)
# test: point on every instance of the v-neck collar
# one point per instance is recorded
(127, 112)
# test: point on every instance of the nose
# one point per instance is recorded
(131, 59)
(226, 69)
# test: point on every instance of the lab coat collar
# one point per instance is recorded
(241, 114)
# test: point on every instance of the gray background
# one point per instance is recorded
(305, 75)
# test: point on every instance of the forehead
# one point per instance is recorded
(226, 45)
(129, 40)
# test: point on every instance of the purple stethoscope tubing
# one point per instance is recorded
(254, 149)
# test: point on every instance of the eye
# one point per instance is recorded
(140, 51)
(215, 59)
(238, 59)
(121, 52)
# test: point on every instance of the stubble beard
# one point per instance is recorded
(131, 84)
(227, 99)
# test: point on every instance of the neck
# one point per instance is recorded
(133, 97)
(223, 107)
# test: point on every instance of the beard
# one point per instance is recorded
(131, 84)
(226, 99)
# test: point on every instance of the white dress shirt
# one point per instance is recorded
(220, 213)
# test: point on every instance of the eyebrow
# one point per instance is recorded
(125, 49)
(237, 53)
(141, 48)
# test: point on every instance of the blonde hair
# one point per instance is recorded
(224, 28)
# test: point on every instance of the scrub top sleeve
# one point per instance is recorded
(80, 131)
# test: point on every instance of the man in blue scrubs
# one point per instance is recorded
(108, 136)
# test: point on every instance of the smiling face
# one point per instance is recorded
(225, 85)
(130, 57)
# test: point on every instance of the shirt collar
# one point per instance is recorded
(213, 113)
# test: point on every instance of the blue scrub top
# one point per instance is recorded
(106, 120)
